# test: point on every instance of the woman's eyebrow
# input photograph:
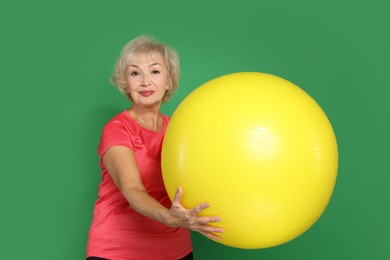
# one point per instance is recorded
(150, 65)
(156, 63)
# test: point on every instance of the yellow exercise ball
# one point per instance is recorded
(260, 150)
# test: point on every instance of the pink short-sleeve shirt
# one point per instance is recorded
(117, 231)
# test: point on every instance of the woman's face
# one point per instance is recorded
(147, 79)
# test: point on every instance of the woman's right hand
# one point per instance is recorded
(189, 218)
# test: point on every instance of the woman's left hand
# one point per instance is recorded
(189, 218)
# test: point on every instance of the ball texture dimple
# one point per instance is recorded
(260, 150)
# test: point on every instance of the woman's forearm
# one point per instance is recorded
(146, 205)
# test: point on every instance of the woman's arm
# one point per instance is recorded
(122, 166)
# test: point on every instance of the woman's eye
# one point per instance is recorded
(155, 72)
(134, 73)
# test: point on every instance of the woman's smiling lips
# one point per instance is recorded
(146, 93)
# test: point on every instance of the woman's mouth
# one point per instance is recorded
(146, 93)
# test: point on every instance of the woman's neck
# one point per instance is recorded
(149, 118)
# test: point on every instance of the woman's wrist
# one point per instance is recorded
(168, 219)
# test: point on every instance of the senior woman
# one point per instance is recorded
(133, 217)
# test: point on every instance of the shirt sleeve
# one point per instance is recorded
(114, 133)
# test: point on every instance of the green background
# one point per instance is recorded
(57, 56)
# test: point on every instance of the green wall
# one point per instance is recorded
(56, 58)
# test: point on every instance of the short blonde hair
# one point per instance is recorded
(146, 45)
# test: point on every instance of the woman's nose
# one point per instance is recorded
(145, 82)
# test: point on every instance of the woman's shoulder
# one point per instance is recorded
(120, 117)
(165, 117)
(119, 120)
(124, 120)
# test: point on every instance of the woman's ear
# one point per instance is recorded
(123, 81)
